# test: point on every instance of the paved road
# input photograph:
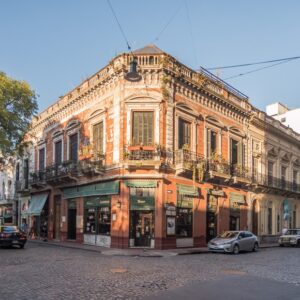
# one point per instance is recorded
(45, 272)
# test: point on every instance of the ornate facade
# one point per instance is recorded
(164, 162)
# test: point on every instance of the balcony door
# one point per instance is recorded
(73, 147)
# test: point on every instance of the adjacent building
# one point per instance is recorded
(288, 117)
(8, 201)
(169, 161)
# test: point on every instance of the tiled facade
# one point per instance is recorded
(164, 162)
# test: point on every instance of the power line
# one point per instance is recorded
(255, 63)
(256, 70)
(191, 32)
(169, 22)
(120, 27)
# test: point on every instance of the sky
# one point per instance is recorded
(55, 45)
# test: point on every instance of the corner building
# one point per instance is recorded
(159, 163)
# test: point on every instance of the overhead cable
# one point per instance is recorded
(259, 69)
(120, 27)
(169, 22)
(254, 63)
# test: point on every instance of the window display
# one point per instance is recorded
(97, 215)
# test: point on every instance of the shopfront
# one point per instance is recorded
(236, 200)
(184, 215)
(38, 215)
(6, 214)
(142, 215)
(97, 220)
(212, 212)
(89, 212)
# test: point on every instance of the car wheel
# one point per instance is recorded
(21, 246)
(255, 248)
(298, 244)
(236, 249)
(281, 245)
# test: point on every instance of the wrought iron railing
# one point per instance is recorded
(276, 182)
(21, 185)
(37, 177)
(142, 154)
(60, 170)
(189, 159)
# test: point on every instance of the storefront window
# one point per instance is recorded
(184, 225)
(184, 216)
(97, 215)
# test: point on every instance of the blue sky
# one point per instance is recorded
(56, 44)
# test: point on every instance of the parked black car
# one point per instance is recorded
(12, 236)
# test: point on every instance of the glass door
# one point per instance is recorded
(142, 227)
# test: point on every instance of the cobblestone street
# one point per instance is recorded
(45, 272)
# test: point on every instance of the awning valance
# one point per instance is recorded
(187, 190)
(217, 193)
(37, 203)
(103, 188)
(237, 198)
(142, 183)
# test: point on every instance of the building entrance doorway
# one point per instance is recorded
(234, 223)
(57, 217)
(141, 228)
(211, 217)
(72, 220)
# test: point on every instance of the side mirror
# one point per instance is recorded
(240, 237)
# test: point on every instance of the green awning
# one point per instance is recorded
(103, 188)
(188, 190)
(142, 183)
(237, 198)
(37, 203)
(142, 203)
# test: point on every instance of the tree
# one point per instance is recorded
(17, 106)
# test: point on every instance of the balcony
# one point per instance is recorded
(37, 179)
(271, 184)
(92, 166)
(22, 187)
(241, 175)
(142, 157)
(57, 174)
(187, 162)
(219, 171)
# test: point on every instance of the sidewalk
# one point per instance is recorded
(134, 252)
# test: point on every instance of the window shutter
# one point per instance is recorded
(240, 153)
(208, 133)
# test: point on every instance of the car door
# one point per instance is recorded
(242, 241)
(249, 241)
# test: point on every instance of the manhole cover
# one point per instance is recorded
(119, 270)
(234, 272)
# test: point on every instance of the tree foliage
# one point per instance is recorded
(17, 106)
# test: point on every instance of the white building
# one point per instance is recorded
(288, 117)
(8, 204)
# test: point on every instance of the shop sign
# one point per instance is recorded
(141, 203)
(236, 200)
(97, 202)
(185, 203)
(286, 210)
(171, 226)
(170, 210)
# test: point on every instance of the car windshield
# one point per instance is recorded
(292, 232)
(8, 229)
(228, 234)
